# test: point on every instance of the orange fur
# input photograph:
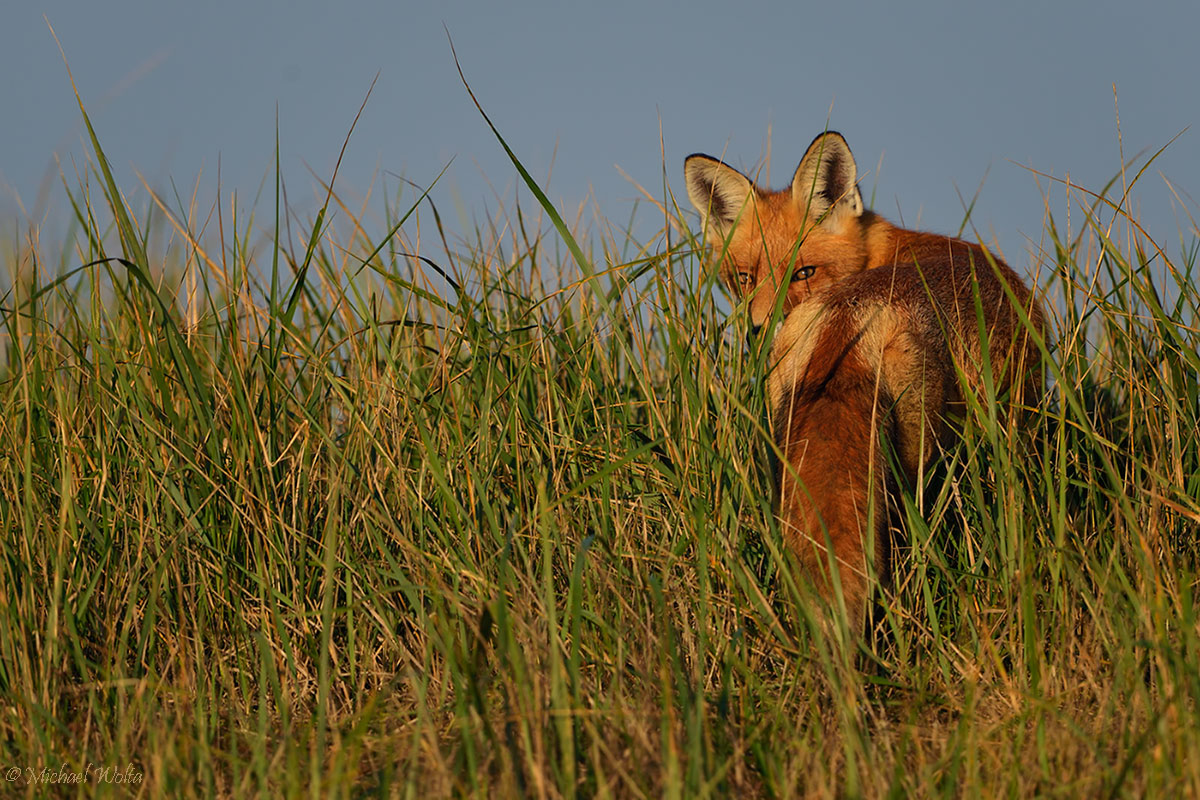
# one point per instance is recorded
(880, 338)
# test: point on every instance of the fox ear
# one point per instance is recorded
(719, 192)
(827, 178)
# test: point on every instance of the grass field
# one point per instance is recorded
(342, 507)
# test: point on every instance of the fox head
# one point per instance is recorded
(797, 241)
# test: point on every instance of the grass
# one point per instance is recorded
(375, 509)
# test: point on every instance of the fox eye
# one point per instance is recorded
(745, 280)
(803, 273)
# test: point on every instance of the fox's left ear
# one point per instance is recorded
(827, 178)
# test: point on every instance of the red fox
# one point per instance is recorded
(884, 333)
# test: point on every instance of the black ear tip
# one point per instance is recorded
(833, 135)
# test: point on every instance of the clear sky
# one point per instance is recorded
(932, 97)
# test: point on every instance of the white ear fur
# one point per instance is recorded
(719, 192)
(827, 178)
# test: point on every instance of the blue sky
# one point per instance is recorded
(932, 98)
